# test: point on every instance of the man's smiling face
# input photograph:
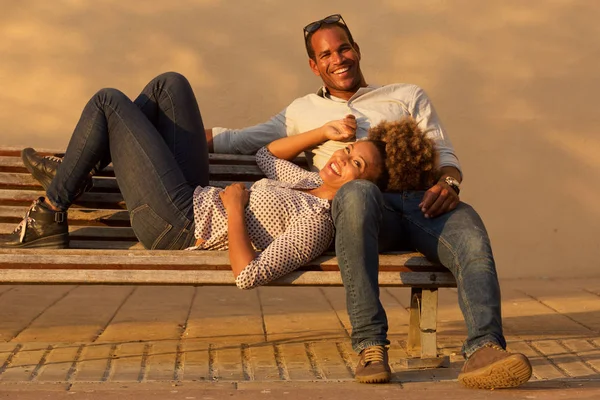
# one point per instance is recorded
(337, 61)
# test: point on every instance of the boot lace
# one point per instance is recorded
(374, 354)
(26, 222)
(54, 158)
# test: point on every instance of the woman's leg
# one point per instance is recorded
(156, 192)
(169, 103)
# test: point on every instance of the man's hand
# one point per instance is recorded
(341, 129)
(438, 200)
(235, 197)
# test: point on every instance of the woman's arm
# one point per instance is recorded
(235, 198)
(289, 147)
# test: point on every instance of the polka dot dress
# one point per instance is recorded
(289, 226)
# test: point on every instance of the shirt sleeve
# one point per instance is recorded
(304, 240)
(249, 140)
(423, 112)
(278, 169)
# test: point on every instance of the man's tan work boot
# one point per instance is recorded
(492, 367)
(373, 366)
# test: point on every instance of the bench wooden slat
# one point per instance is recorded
(192, 267)
(182, 258)
(199, 278)
(105, 245)
(24, 181)
(15, 164)
(79, 232)
(90, 199)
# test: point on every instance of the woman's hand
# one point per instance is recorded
(340, 129)
(289, 147)
(235, 197)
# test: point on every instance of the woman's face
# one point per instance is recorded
(359, 160)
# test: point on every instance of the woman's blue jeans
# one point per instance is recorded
(368, 222)
(158, 149)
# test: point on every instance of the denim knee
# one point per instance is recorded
(360, 199)
(171, 79)
(105, 95)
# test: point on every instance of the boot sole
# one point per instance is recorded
(510, 372)
(382, 377)
(51, 242)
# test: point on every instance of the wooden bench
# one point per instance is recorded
(104, 250)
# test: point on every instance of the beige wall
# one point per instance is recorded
(515, 82)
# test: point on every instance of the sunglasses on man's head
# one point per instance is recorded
(314, 26)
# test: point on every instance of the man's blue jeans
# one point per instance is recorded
(368, 221)
(158, 149)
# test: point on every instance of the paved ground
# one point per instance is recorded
(153, 342)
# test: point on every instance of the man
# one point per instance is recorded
(433, 222)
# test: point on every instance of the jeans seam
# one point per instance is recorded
(457, 276)
(349, 279)
(168, 93)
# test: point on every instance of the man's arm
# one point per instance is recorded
(441, 197)
(248, 140)
(289, 147)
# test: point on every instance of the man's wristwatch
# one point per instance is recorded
(453, 183)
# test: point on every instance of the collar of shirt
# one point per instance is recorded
(324, 93)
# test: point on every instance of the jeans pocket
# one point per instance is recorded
(150, 229)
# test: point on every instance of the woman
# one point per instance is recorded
(159, 154)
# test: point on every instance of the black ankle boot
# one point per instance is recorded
(41, 227)
(43, 169)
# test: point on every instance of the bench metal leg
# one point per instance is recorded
(422, 331)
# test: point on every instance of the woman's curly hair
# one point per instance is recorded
(410, 157)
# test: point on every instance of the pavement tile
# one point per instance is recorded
(129, 362)
(332, 360)
(195, 363)
(585, 350)
(161, 361)
(570, 364)
(60, 363)
(260, 362)
(79, 316)
(224, 314)
(296, 362)
(27, 302)
(226, 362)
(298, 313)
(568, 299)
(151, 313)
(6, 288)
(95, 363)
(25, 362)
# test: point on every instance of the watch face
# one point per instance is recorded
(453, 183)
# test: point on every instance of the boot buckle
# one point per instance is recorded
(59, 217)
